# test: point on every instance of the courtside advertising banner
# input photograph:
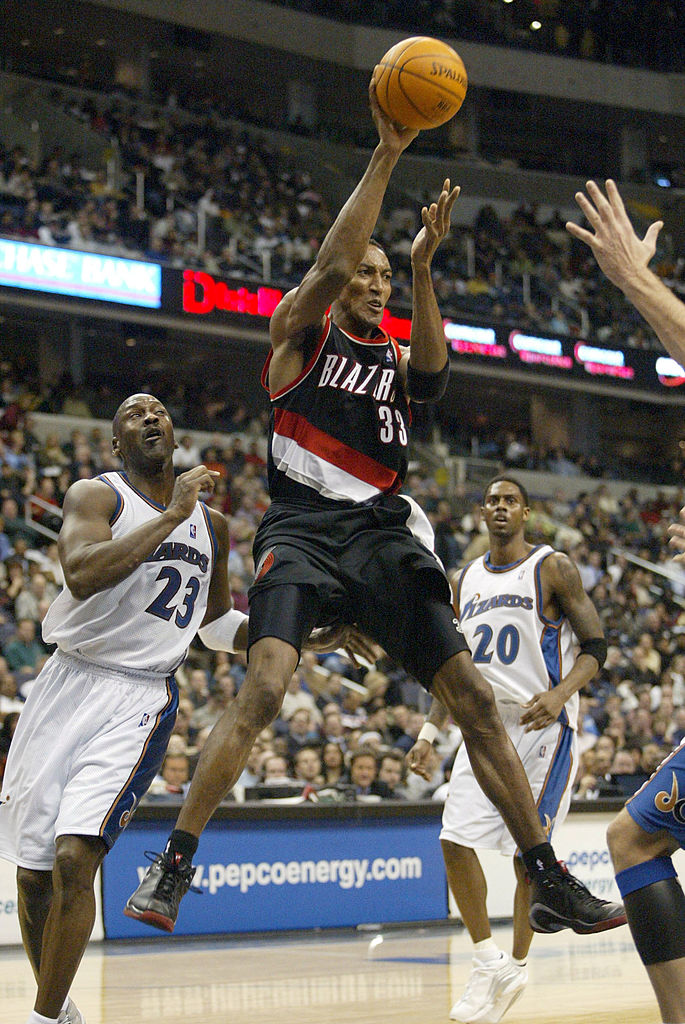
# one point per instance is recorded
(257, 876)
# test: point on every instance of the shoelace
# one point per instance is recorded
(172, 871)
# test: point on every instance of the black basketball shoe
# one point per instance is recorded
(157, 898)
(558, 900)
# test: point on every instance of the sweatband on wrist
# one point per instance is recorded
(427, 387)
(597, 647)
(429, 732)
(219, 635)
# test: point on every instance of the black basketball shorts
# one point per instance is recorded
(358, 565)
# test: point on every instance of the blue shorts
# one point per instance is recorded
(660, 802)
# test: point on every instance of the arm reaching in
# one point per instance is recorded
(624, 257)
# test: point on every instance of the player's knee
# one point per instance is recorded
(266, 691)
(74, 868)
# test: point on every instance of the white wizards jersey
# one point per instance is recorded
(518, 650)
(147, 621)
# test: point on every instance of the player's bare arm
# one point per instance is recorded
(625, 259)
(340, 254)
(92, 560)
(427, 340)
(563, 593)
(427, 353)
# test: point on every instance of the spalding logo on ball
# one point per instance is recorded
(421, 82)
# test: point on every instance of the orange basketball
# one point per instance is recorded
(421, 82)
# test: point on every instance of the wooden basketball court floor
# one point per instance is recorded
(396, 976)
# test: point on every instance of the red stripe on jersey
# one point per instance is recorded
(289, 424)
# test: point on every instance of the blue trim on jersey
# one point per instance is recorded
(154, 504)
(550, 645)
(144, 771)
(558, 778)
(120, 500)
(210, 530)
(510, 565)
(538, 590)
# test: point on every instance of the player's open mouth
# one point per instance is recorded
(152, 435)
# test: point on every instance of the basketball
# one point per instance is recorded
(421, 82)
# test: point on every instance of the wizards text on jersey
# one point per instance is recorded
(175, 551)
(477, 607)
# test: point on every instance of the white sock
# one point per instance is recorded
(38, 1018)
(487, 951)
(65, 1004)
(519, 963)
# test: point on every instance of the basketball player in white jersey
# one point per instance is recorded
(145, 566)
(519, 606)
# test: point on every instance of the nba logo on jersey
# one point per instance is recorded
(144, 720)
(193, 531)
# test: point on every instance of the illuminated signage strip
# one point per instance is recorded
(197, 296)
(85, 275)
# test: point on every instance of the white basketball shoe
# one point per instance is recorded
(72, 1015)
(490, 991)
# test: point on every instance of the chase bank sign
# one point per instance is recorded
(85, 275)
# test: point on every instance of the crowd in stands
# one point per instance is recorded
(203, 193)
(344, 729)
(636, 33)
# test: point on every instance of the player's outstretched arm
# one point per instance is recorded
(625, 258)
(92, 560)
(346, 241)
(561, 580)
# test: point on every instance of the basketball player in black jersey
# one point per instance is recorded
(339, 543)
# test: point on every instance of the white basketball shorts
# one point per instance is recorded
(88, 743)
(549, 761)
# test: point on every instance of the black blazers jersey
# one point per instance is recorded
(339, 431)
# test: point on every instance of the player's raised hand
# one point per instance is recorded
(436, 223)
(188, 487)
(393, 135)
(619, 251)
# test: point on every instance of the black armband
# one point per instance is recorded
(597, 647)
(427, 387)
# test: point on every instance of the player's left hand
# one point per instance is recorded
(541, 710)
(418, 759)
(436, 224)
